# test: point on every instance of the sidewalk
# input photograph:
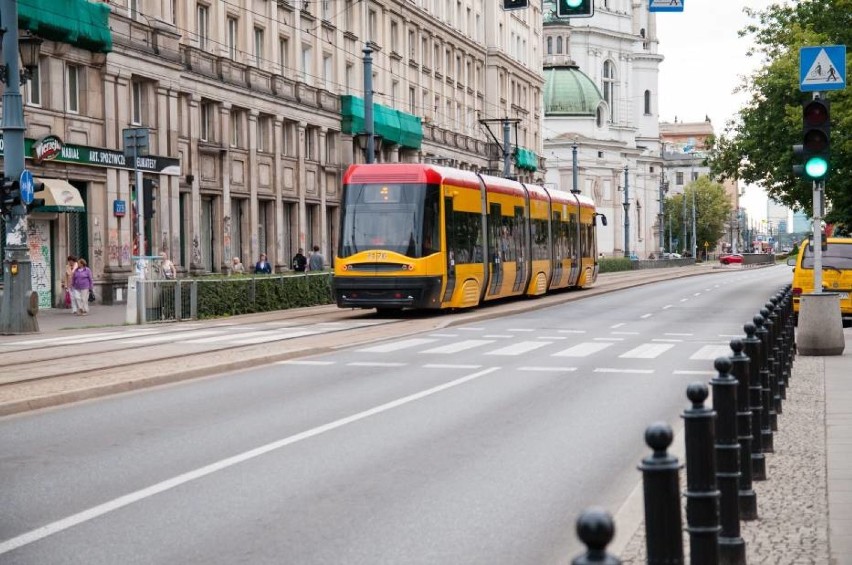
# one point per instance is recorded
(61, 319)
(805, 505)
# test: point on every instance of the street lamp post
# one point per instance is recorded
(20, 303)
(626, 206)
(694, 230)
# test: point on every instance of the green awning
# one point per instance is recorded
(80, 23)
(526, 159)
(395, 126)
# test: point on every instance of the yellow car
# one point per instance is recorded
(836, 273)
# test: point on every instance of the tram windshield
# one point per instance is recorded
(403, 218)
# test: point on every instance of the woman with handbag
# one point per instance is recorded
(81, 287)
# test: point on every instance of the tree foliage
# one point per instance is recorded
(757, 147)
(712, 213)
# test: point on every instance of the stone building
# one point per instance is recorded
(601, 94)
(252, 109)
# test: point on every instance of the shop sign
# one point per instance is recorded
(53, 149)
(47, 148)
(119, 208)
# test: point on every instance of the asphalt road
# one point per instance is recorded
(472, 444)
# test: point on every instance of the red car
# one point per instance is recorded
(728, 258)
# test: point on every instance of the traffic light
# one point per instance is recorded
(816, 140)
(148, 198)
(38, 187)
(515, 4)
(10, 195)
(575, 8)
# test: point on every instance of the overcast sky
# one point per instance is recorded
(704, 60)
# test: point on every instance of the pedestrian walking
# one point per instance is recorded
(316, 261)
(262, 267)
(300, 262)
(81, 287)
(70, 267)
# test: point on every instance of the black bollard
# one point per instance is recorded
(663, 538)
(786, 328)
(752, 350)
(731, 544)
(740, 371)
(777, 302)
(775, 366)
(769, 366)
(702, 496)
(595, 529)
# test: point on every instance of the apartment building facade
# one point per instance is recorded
(248, 106)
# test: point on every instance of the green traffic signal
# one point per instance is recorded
(575, 8)
(816, 168)
(573, 3)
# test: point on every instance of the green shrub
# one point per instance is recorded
(614, 264)
(231, 296)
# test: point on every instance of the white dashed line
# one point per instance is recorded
(668, 340)
(548, 369)
(677, 334)
(643, 316)
(667, 306)
(609, 339)
(624, 333)
(617, 326)
(628, 371)
(449, 366)
(572, 331)
(520, 330)
(374, 364)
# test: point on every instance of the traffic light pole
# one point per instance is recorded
(818, 187)
(19, 306)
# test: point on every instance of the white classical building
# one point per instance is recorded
(601, 95)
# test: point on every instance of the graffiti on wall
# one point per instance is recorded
(113, 248)
(38, 241)
(97, 247)
(196, 257)
(226, 239)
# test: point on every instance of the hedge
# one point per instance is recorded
(231, 296)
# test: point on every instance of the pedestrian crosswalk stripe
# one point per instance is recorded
(710, 352)
(276, 335)
(519, 348)
(571, 331)
(459, 346)
(582, 349)
(161, 338)
(647, 351)
(397, 345)
(228, 337)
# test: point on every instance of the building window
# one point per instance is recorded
(137, 103)
(263, 128)
(258, 45)
(310, 143)
(372, 25)
(237, 120)
(412, 44)
(326, 10)
(327, 72)
(232, 37)
(132, 9)
(33, 87)
(647, 102)
(206, 133)
(307, 57)
(202, 17)
(72, 89)
(283, 53)
(288, 132)
(331, 147)
(559, 45)
(679, 178)
(347, 76)
(550, 46)
(609, 88)
(394, 93)
(412, 100)
(394, 37)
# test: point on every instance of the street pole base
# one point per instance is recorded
(748, 505)
(768, 442)
(732, 551)
(758, 467)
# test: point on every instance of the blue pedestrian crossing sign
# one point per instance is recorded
(665, 5)
(822, 68)
(25, 184)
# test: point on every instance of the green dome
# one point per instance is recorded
(569, 92)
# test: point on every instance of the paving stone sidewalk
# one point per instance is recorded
(793, 502)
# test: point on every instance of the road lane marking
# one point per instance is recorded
(668, 340)
(617, 325)
(712, 373)
(551, 337)
(375, 364)
(643, 316)
(624, 333)
(647, 351)
(459, 346)
(571, 331)
(677, 334)
(499, 336)
(684, 299)
(449, 366)
(160, 338)
(304, 362)
(443, 335)
(667, 306)
(697, 294)
(397, 345)
(608, 338)
(519, 348)
(471, 329)
(582, 349)
(628, 371)
(548, 369)
(163, 486)
(520, 330)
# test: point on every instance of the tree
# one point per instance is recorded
(712, 210)
(757, 147)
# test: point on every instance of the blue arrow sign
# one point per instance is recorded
(822, 68)
(665, 5)
(26, 185)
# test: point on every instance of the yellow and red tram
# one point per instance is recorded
(429, 237)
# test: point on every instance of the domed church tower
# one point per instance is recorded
(600, 94)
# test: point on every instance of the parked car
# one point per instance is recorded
(728, 258)
(671, 255)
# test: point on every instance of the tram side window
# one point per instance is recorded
(495, 229)
(463, 230)
(573, 244)
(431, 222)
(540, 240)
(520, 233)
